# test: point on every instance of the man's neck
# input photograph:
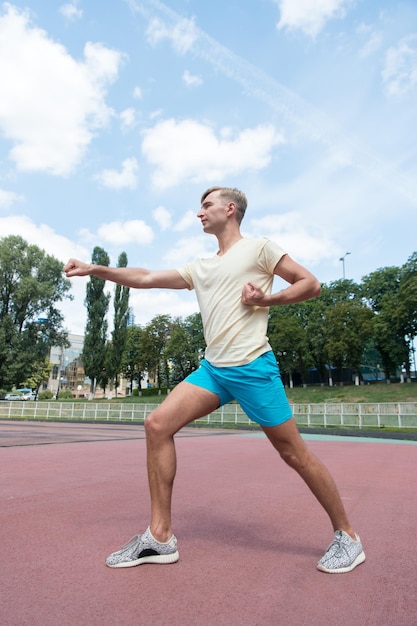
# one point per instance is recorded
(227, 240)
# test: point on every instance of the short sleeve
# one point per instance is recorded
(187, 274)
(270, 254)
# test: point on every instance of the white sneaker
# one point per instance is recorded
(342, 555)
(144, 549)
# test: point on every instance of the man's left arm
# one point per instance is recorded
(302, 286)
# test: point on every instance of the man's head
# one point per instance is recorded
(230, 195)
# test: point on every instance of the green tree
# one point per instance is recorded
(119, 333)
(406, 312)
(381, 291)
(97, 303)
(349, 327)
(345, 326)
(155, 337)
(31, 285)
(185, 346)
(39, 374)
(288, 337)
(132, 364)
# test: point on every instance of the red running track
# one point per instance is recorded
(249, 532)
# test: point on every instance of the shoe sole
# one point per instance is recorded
(162, 559)
(343, 570)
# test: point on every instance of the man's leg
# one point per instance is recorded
(157, 544)
(183, 405)
(292, 449)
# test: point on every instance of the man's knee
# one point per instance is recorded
(294, 454)
(289, 456)
(155, 424)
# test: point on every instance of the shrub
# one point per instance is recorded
(65, 395)
(45, 395)
(152, 391)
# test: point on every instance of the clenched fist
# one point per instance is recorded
(76, 268)
(252, 295)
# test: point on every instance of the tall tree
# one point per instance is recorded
(185, 346)
(31, 286)
(406, 312)
(346, 326)
(132, 365)
(288, 336)
(349, 327)
(119, 333)
(155, 337)
(381, 291)
(97, 303)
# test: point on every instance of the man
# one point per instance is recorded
(233, 289)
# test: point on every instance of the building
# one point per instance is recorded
(67, 369)
(68, 372)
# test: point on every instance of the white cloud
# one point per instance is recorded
(295, 233)
(177, 304)
(185, 250)
(310, 16)
(400, 72)
(162, 217)
(188, 150)
(61, 248)
(137, 93)
(373, 39)
(42, 236)
(51, 104)
(183, 35)
(191, 80)
(155, 114)
(125, 179)
(133, 231)
(71, 10)
(302, 120)
(128, 118)
(187, 220)
(8, 198)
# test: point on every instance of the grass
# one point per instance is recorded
(381, 392)
(376, 393)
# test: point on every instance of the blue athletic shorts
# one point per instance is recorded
(257, 387)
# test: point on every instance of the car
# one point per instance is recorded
(29, 396)
(13, 396)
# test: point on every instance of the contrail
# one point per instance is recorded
(304, 119)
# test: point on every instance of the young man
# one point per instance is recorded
(233, 289)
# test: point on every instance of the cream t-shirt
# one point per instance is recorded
(235, 334)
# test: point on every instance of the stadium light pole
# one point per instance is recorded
(342, 258)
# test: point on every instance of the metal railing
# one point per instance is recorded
(351, 415)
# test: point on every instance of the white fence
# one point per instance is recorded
(351, 415)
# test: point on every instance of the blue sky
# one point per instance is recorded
(116, 115)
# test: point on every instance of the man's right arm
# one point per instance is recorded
(138, 278)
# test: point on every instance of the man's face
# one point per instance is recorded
(214, 212)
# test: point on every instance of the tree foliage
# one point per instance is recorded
(97, 303)
(132, 362)
(31, 285)
(167, 349)
(347, 323)
(155, 338)
(288, 337)
(117, 345)
(185, 347)
(381, 290)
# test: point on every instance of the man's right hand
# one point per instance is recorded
(77, 268)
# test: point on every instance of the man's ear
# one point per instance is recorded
(231, 209)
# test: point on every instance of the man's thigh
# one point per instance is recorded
(185, 403)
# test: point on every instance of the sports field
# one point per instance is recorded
(249, 532)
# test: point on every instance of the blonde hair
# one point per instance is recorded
(233, 195)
